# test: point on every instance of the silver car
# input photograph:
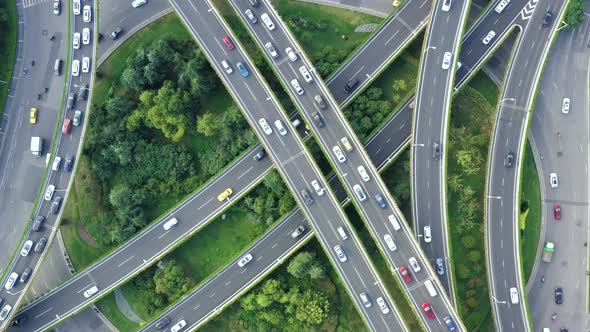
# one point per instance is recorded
(340, 253)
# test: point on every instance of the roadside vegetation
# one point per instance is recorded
(530, 212)
(8, 31)
(165, 126)
(575, 13)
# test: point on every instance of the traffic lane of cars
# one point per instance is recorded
(127, 260)
(294, 59)
(298, 175)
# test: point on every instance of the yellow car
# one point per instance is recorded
(33, 116)
(225, 194)
(346, 143)
(396, 3)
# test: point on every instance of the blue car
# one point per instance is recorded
(243, 69)
(450, 323)
(381, 201)
(69, 163)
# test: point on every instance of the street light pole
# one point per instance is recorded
(496, 300)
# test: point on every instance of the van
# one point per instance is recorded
(138, 3)
(342, 233)
(57, 67)
(394, 222)
(351, 84)
(430, 288)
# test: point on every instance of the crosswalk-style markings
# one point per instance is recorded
(30, 3)
(527, 11)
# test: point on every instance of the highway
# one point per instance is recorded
(66, 143)
(430, 122)
(128, 262)
(566, 76)
(403, 247)
(502, 210)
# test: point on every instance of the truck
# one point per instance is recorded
(548, 251)
(36, 145)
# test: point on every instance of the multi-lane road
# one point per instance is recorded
(431, 119)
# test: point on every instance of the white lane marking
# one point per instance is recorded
(44, 312)
(125, 261)
(207, 202)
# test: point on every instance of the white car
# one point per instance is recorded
(267, 21)
(488, 38)
(382, 305)
(296, 86)
(427, 234)
(514, 295)
(87, 14)
(49, 192)
(5, 311)
(170, 223)
(340, 253)
(245, 260)
(339, 154)
(305, 73)
(85, 64)
(316, 186)
(76, 68)
(553, 180)
(90, 291)
(501, 5)
(26, 248)
(389, 241)
(56, 163)
(178, 326)
(565, 106)
(446, 6)
(56, 7)
(76, 41)
(86, 36)
(265, 127)
(446, 60)
(282, 130)
(363, 173)
(271, 50)
(414, 264)
(358, 191)
(76, 7)
(11, 281)
(291, 54)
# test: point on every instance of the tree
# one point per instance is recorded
(306, 264)
(171, 282)
(313, 308)
(208, 124)
(399, 85)
(455, 183)
(575, 13)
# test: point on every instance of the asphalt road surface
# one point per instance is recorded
(566, 75)
(431, 119)
(503, 181)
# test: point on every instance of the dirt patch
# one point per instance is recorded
(85, 236)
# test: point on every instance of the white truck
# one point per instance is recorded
(548, 251)
(37, 145)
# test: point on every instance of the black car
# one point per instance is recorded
(115, 34)
(351, 84)
(261, 154)
(25, 276)
(318, 119)
(163, 323)
(547, 19)
(436, 151)
(40, 245)
(509, 160)
(558, 295)
(84, 91)
(55, 205)
(71, 101)
(37, 223)
(306, 197)
(19, 320)
(69, 163)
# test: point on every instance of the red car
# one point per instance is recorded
(228, 43)
(405, 274)
(428, 310)
(557, 211)
(67, 127)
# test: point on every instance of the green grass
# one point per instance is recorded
(108, 307)
(326, 25)
(343, 314)
(7, 49)
(531, 192)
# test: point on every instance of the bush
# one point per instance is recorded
(474, 256)
(575, 13)
(463, 271)
(469, 242)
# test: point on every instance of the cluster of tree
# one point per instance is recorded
(396, 178)
(367, 111)
(328, 60)
(575, 13)
(134, 143)
(306, 264)
(3, 17)
(267, 203)
(158, 288)
(276, 305)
